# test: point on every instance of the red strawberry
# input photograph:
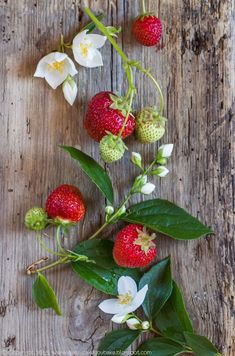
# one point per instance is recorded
(147, 29)
(106, 112)
(65, 204)
(133, 247)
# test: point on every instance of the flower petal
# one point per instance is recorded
(71, 66)
(148, 188)
(139, 298)
(55, 78)
(112, 306)
(127, 285)
(133, 323)
(97, 40)
(41, 69)
(92, 60)
(79, 38)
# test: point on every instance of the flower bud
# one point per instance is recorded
(139, 182)
(145, 325)
(35, 219)
(165, 151)
(136, 159)
(70, 90)
(133, 324)
(119, 319)
(148, 188)
(122, 210)
(160, 171)
(109, 209)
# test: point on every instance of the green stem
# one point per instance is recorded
(112, 218)
(103, 29)
(44, 246)
(155, 331)
(51, 265)
(127, 114)
(143, 7)
(58, 231)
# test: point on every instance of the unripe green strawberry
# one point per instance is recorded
(112, 148)
(36, 219)
(150, 125)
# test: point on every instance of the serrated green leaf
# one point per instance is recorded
(173, 319)
(160, 346)
(43, 294)
(201, 345)
(104, 273)
(117, 341)
(167, 218)
(93, 170)
(159, 282)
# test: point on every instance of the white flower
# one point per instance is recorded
(161, 171)
(55, 67)
(70, 90)
(133, 324)
(145, 325)
(148, 188)
(128, 300)
(165, 151)
(136, 159)
(85, 49)
(109, 209)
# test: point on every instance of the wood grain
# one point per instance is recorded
(196, 70)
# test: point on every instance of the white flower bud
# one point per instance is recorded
(133, 324)
(119, 319)
(145, 325)
(122, 210)
(161, 171)
(109, 209)
(148, 188)
(136, 159)
(70, 90)
(165, 151)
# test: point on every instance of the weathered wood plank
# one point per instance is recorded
(196, 72)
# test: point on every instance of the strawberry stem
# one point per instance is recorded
(143, 7)
(51, 265)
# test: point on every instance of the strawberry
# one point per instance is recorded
(65, 204)
(106, 112)
(133, 247)
(150, 126)
(147, 29)
(111, 148)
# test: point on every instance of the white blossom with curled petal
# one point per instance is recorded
(85, 49)
(55, 67)
(128, 300)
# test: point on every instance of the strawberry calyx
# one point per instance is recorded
(150, 114)
(144, 15)
(120, 103)
(144, 240)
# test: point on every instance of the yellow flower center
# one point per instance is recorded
(84, 47)
(59, 66)
(125, 298)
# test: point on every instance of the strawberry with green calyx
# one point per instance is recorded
(111, 148)
(65, 205)
(147, 28)
(36, 219)
(107, 112)
(134, 247)
(150, 125)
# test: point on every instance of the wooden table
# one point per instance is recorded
(195, 68)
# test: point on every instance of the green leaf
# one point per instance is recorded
(161, 346)
(117, 341)
(93, 170)
(167, 218)
(104, 273)
(173, 318)
(159, 282)
(91, 26)
(201, 345)
(43, 295)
